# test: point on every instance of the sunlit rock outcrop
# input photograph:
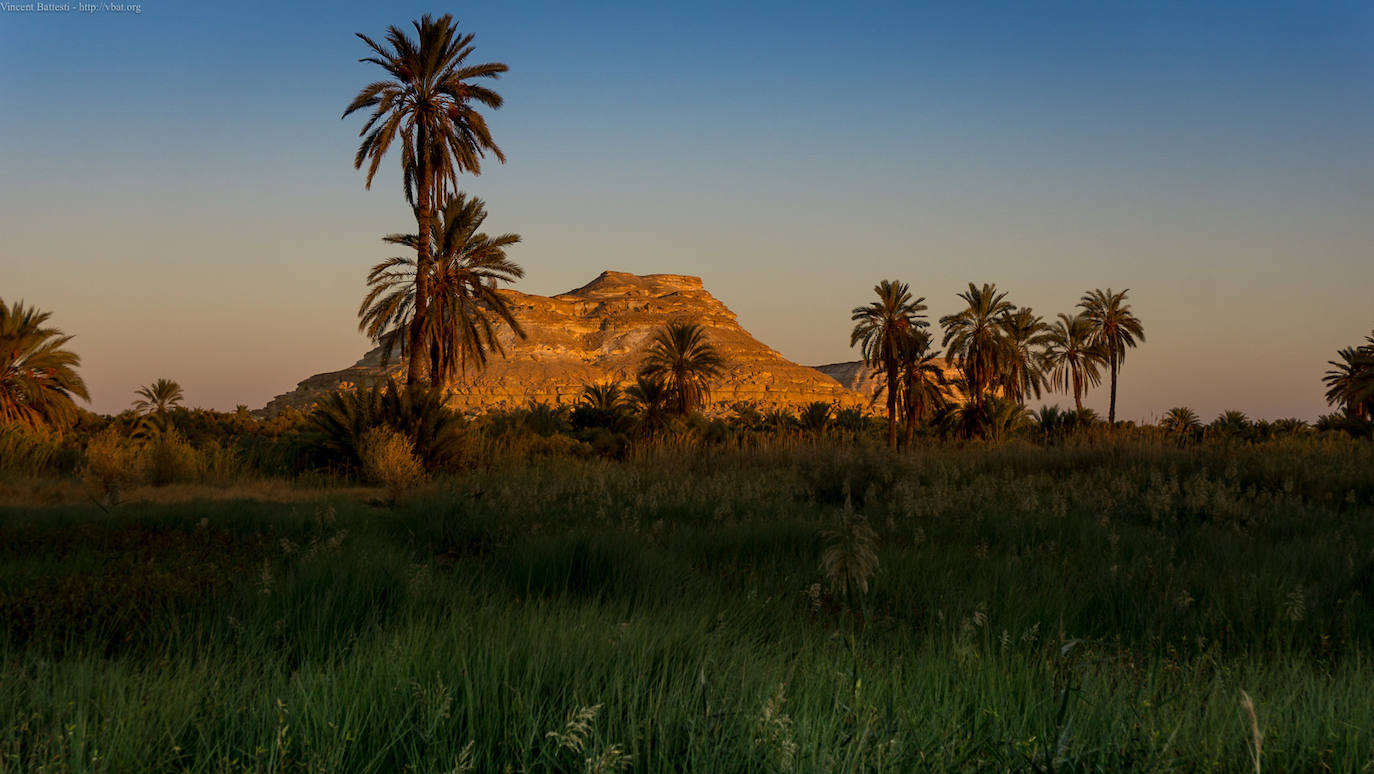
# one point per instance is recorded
(600, 332)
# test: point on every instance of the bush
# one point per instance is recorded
(341, 420)
(112, 464)
(169, 459)
(388, 458)
(25, 451)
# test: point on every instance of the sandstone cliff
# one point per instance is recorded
(600, 332)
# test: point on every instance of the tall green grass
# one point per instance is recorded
(1066, 609)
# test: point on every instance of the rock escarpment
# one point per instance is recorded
(600, 332)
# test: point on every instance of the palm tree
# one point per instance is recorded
(975, 340)
(1230, 424)
(1071, 359)
(429, 102)
(681, 357)
(923, 385)
(459, 330)
(1023, 371)
(1115, 330)
(37, 373)
(814, 417)
(1181, 422)
(881, 327)
(651, 396)
(1350, 381)
(607, 397)
(158, 397)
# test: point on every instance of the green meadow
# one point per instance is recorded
(791, 607)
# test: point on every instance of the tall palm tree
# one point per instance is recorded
(1072, 360)
(974, 339)
(461, 327)
(881, 327)
(681, 357)
(158, 398)
(1115, 329)
(1350, 381)
(1023, 371)
(430, 101)
(37, 372)
(923, 385)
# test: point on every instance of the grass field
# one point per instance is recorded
(1090, 607)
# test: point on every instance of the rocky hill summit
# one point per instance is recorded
(597, 333)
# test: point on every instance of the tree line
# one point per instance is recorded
(1002, 353)
(437, 305)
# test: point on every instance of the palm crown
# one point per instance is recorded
(974, 338)
(1350, 381)
(1023, 369)
(158, 397)
(1072, 360)
(38, 376)
(685, 362)
(465, 309)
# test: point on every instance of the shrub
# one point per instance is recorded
(26, 451)
(339, 422)
(388, 458)
(112, 464)
(169, 459)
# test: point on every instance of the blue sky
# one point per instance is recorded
(177, 184)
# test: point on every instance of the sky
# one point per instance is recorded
(177, 186)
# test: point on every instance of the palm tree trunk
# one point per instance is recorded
(1111, 410)
(424, 213)
(892, 406)
(911, 414)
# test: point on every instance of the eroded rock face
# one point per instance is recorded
(599, 332)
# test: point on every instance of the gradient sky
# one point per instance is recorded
(176, 185)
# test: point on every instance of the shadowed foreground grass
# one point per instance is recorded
(1036, 609)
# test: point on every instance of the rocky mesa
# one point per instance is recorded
(597, 333)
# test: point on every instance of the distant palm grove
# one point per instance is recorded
(1003, 355)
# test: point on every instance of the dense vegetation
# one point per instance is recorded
(789, 607)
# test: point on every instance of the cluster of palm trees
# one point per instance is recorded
(1350, 381)
(674, 380)
(439, 308)
(1002, 353)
